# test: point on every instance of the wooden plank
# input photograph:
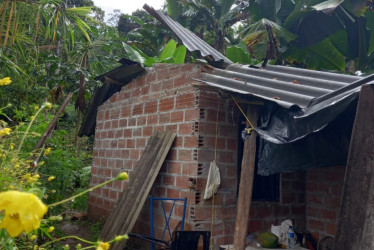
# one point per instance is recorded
(356, 218)
(246, 184)
(123, 217)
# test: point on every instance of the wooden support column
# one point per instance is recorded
(356, 218)
(246, 183)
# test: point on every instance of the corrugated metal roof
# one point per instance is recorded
(189, 39)
(124, 73)
(285, 85)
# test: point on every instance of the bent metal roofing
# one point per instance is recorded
(286, 86)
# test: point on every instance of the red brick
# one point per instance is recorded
(329, 214)
(265, 212)
(316, 225)
(168, 180)
(150, 107)
(192, 114)
(167, 84)
(134, 154)
(140, 121)
(177, 116)
(127, 133)
(163, 73)
(107, 124)
(132, 122)
(100, 115)
(179, 81)
(227, 130)
(156, 87)
(254, 226)
(226, 157)
(212, 116)
(182, 182)
(138, 109)
(152, 119)
(190, 141)
(184, 155)
(172, 128)
(130, 143)
(185, 101)
(126, 111)
(166, 104)
(313, 212)
(332, 202)
(211, 142)
(114, 114)
(207, 128)
(137, 132)
(164, 118)
(140, 142)
(147, 131)
(174, 167)
(172, 193)
(185, 129)
(189, 169)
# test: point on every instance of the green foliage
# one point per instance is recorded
(170, 54)
(239, 54)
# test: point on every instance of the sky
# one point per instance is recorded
(126, 6)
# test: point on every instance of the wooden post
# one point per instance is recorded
(356, 218)
(246, 183)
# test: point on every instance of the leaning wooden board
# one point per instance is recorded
(123, 217)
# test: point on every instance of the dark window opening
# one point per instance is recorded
(265, 188)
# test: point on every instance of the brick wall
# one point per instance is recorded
(290, 206)
(323, 191)
(166, 98)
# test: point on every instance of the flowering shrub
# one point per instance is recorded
(24, 183)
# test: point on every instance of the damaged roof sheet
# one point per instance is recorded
(285, 85)
(189, 39)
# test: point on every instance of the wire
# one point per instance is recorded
(214, 177)
(249, 130)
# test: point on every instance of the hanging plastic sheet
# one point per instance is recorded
(294, 139)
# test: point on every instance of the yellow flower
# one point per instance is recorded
(33, 237)
(5, 131)
(102, 246)
(22, 212)
(47, 151)
(51, 178)
(36, 107)
(50, 229)
(53, 191)
(5, 81)
(12, 146)
(122, 176)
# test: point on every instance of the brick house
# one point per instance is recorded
(173, 98)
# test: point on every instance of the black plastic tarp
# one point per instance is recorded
(295, 139)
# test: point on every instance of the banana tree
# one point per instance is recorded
(328, 34)
(211, 20)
